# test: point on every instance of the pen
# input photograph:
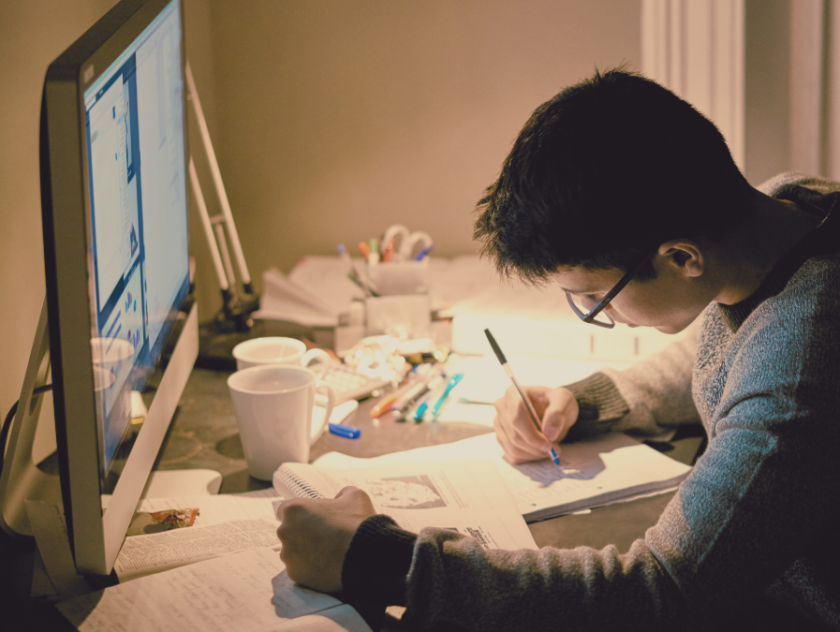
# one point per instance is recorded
(423, 253)
(415, 390)
(453, 382)
(534, 417)
(342, 430)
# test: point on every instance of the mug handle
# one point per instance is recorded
(316, 433)
(318, 357)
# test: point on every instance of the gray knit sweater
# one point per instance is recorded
(750, 540)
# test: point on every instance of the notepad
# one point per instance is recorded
(469, 498)
(595, 472)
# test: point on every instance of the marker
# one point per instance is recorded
(364, 249)
(421, 410)
(348, 432)
(449, 386)
(533, 413)
(406, 398)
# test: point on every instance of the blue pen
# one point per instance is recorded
(423, 253)
(421, 410)
(348, 432)
(453, 382)
(533, 413)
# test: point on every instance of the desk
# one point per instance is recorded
(204, 434)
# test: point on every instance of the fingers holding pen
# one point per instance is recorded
(520, 439)
(559, 415)
(515, 430)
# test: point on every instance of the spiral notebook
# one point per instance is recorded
(470, 499)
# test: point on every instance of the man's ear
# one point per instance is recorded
(685, 255)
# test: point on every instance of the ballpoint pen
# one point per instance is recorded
(453, 382)
(533, 413)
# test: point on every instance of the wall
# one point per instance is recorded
(335, 119)
(332, 119)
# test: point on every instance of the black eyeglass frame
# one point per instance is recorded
(609, 296)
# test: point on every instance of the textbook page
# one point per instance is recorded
(226, 523)
(244, 592)
(468, 498)
(592, 473)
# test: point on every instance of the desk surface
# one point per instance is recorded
(204, 434)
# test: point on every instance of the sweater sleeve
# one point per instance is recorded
(648, 399)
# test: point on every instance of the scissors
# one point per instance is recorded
(408, 241)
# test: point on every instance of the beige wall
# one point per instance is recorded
(32, 34)
(335, 119)
(332, 119)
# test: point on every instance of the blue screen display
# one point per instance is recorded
(139, 271)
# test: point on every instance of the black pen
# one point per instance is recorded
(534, 417)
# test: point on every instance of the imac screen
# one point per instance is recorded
(138, 255)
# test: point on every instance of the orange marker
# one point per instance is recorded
(364, 249)
(383, 405)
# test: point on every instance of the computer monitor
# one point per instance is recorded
(114, 204)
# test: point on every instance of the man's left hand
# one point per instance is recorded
(316, 534)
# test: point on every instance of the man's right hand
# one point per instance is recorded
(516, 433)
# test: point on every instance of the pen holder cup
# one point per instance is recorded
(400, 278)
(405, 316)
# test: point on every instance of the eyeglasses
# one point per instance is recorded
(592, 315)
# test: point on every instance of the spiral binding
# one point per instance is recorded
(298, 484)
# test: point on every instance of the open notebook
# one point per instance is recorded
(595, 472)
(467, 498)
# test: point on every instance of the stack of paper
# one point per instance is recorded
(283, 299)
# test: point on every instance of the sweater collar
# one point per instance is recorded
(822, 239)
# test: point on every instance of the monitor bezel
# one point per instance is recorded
(95, 537)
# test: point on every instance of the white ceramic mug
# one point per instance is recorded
(273, 405)
(276, 350)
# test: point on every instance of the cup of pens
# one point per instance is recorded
(398, 264)
(395, 280)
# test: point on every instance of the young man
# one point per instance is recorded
(628, 198)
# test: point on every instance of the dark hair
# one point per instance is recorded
(602, 174)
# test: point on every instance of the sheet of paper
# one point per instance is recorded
(243, 592)
(592, 473)
(338, 619)
(144, 554)
(485, 380)
(468, 498)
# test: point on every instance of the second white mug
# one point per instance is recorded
(277, 350)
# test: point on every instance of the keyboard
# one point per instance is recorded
(349, 382)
